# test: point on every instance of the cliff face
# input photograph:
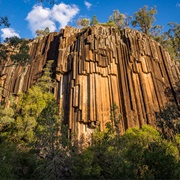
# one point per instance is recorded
(95, 68)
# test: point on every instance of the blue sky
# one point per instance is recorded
(26, 16)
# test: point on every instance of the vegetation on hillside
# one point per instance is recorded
(34, 146)
(34, 143)
(143, 20)
(4, 21)
(33, 137)
(44, 32)
(16, 50)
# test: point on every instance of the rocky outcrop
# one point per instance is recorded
(95, 68)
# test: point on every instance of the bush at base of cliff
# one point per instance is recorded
(138, 154)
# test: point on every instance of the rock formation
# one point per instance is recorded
(95, 68)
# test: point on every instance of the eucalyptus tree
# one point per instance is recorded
(44, 32)
(144, 19)
(83, 22)
(174, 35)
(4, 21)
(19, 51)
(118, 18)
(94, 20)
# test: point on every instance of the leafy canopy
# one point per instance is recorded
(118, 18)
(144, 19)
(82, 22)
(94, 20)
(4, 21)
(44, 32)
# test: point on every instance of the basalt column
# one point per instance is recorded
(95, 68)
(102, 66)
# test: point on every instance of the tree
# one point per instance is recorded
(82, 22)
(147, 154)
(16, 162)
(94, 21)
(31, 105)
(110, 23)
(127, 21)
(56, 157)
(118, 18)
(22, 57)
(174, 36)
(46, 83)
(15, 51)
(140, 154)
(39, 123)
(4, 20)
(34, 128)
(170, 40)
(13, 41)
(7, 117)
(168, 119)
(3, 54)
(156, 31)
(144, 19)
(19, 51)
(43, 32)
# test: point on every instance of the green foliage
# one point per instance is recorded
(94, 20)
(50, 143)
(13, 41)
(48, 126)
(43, 32)
(115, 118)
(85, 166)
(46, 83)
(83, 22)
(7, 118)
(118, 18)
(3, 54)
(170, 40)
(36, 144)
(144, 19)
(168, 120)
(4, 21)
(16, 162)
(20, 50)
(140, 154)
(6, 165)
(148, 154)
(110, 23)
(156, 32)
(22, 57)
(30, 107)
(174, 36)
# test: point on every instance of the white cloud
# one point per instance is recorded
(87, 4)
(8, 32)
(64, 13)
(178, 5)
(40, 18)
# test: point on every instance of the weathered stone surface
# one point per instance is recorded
(95, 68)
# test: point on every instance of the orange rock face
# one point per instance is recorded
(95, 68)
